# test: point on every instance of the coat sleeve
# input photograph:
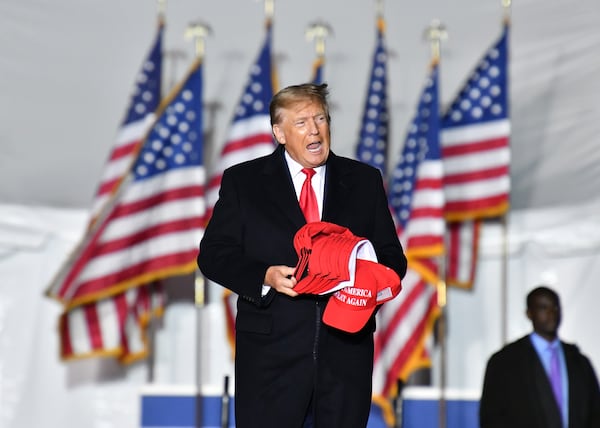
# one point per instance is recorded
(593, 394)
(493, 412)
(221, 257)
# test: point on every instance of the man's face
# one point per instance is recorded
(545, 314)
(304, 131)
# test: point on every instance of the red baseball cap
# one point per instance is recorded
(350, 308)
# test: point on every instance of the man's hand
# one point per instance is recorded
(280, 278)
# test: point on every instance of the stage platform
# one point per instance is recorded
(165, 406)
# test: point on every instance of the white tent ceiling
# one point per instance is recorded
(67, 67)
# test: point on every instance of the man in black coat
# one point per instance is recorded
(517, 390)
(291, 368)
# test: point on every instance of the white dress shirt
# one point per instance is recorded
(298, 177)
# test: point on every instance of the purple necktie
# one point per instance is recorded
(555, 378)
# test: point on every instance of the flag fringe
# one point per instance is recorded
(419, 359)
(137, 281)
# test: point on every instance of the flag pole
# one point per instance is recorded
(318, 31)
(197, 32)
(504, 279)
(435, 33)
(152, 325)
(504, 221)
(506, 7)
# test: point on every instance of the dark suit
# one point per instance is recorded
(517, 393)
(284, 352)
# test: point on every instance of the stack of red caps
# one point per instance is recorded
(333, 260)
(327, 257)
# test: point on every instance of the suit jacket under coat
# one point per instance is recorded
(253, 227)
(517, 392)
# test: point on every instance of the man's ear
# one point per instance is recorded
(279, 135)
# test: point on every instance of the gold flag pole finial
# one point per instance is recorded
(198, 31)
(162, 10)
(435, 33)
(506, 7)
(318, 31)
(379, 15)
(269, 9)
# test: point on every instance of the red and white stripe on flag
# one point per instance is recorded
(250, 134)
(138, 120)
(404, 325)
(114, 327)
(416, 196)
(152, 233)
(463, 248)
(149, 230)
(476, 170)
(127, 143)
(475, 140)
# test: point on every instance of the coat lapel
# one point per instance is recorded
(576, 387)
(337, 189)
(279, 189)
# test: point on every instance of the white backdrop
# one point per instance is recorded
(550, 246)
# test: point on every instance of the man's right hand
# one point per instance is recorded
(281, 279)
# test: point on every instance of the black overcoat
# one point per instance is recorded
(284, 353)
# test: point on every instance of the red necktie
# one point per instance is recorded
(308, 198)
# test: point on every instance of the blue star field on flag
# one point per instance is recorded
(146, 94)
(175, 141)
(259, 88)
(373, 141)
(484, 97)
(422, 142)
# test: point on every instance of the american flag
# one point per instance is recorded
(150, 228)
(476, 155)
(475, 140)
(462, 252)
(373, 141)
(116, 326)
(139, 117)
(112, 327)
(372, 149)
(249, 137)
(417, 200)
